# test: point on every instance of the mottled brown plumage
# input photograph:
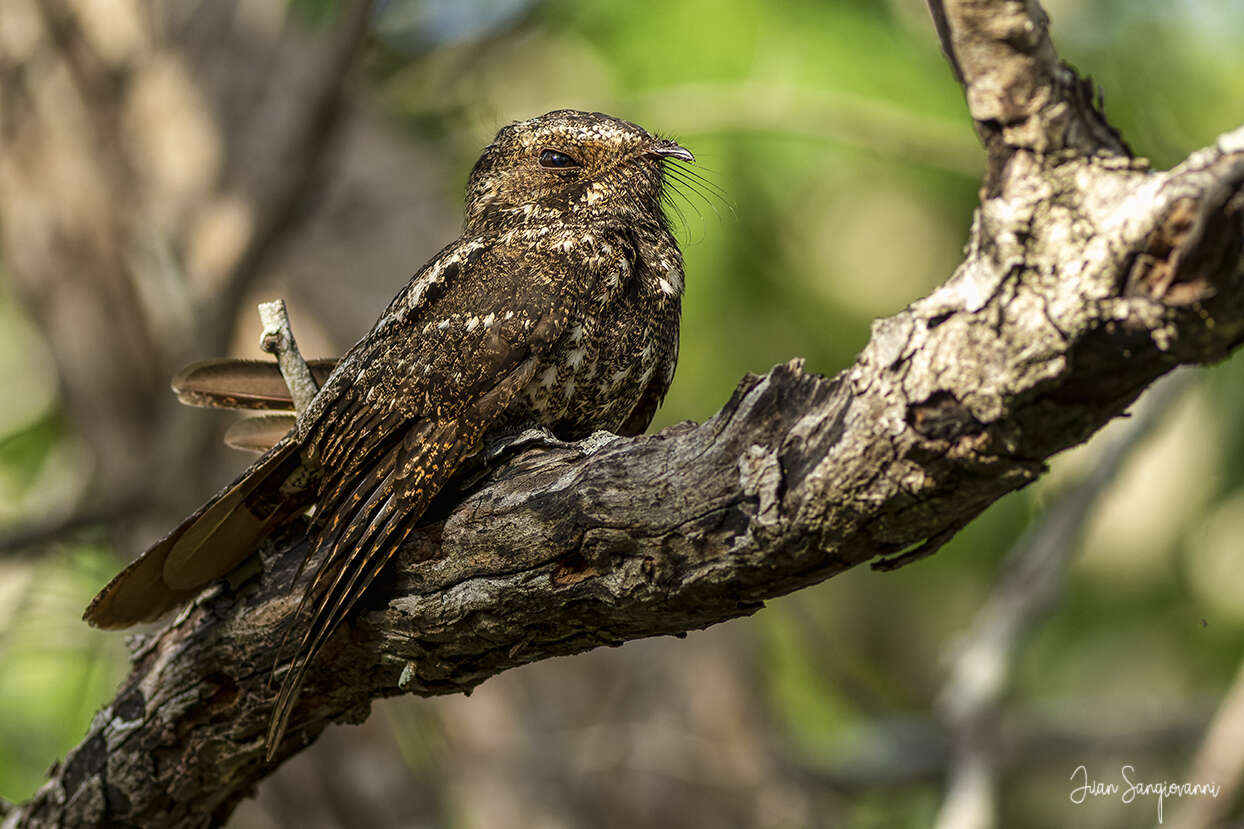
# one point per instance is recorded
(558, 306)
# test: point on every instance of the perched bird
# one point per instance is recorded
(558, 306)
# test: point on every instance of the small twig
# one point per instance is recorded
(278, 339)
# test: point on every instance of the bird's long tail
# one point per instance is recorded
(208, 544)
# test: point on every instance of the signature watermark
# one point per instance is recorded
(1129, 790)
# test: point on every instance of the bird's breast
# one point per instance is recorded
(626, 338)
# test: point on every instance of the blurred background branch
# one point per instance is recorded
(1027, 591)
(1219, 758)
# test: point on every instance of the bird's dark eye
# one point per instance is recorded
(554, 160)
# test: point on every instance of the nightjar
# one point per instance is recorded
(558, 306)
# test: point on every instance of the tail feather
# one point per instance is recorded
(137, 594)
(205, 546)
(260, 432)
(241, 384)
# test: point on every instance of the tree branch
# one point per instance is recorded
(1020, 94)
(1086, 278)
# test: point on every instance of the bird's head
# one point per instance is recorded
(570, 165)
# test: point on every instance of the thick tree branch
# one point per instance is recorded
(1086, 278)
(1020, 94)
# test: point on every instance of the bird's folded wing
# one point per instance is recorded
(402, 411)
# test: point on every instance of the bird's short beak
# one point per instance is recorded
(668, 149)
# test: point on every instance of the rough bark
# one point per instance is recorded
(1086, 277)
